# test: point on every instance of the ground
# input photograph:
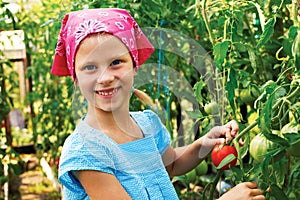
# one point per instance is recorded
(32, 183)
(35, 186)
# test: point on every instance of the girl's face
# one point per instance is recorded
(104, 72)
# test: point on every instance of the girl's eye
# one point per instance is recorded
(90, 67)
(115, 62)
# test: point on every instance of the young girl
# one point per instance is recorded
(114, 153)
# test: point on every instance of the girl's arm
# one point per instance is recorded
(102, 186)
(180, 160)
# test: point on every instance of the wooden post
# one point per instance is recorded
(6, 117)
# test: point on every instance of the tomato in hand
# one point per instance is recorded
(222, 151)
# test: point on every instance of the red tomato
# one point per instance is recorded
(222, 151)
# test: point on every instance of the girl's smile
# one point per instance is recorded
(107, 93)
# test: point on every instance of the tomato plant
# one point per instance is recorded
(202, 168)
(220, 152)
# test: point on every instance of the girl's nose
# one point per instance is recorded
(106, 77)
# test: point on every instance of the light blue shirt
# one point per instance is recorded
(137, 165)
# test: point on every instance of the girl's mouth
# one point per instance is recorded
(108, 92)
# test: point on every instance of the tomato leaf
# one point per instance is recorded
(181, 178)
(268, 32)
(196, 114)
(292, 138)
(231, 85)
(280, 172)
(277, 192)
(276, 139)
(220, 52)
(226, 160)
(293, 32)
(198, 90)
(265, 167)
(238, 173)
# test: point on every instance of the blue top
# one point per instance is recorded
(137, 165)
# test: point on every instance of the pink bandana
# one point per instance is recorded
(77, 25)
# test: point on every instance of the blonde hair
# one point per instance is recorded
(145, 98)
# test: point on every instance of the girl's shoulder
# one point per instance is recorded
(146, 117)
(149, 122)
(85, 137)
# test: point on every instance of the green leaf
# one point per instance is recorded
(226, 160)
(265, 168)
(268, 32)
(277, 192)
(293, 32)
(231, 85)
(194, 114)
(198, 90)
(276, 139)
(238, 173)
(239, 15)
(252, 58)
(181, 178)
(280, 172)
(220, 52)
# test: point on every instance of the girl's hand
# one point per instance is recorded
(220, 134)
(217, 135)
(244, 191)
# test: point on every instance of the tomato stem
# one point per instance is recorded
(204, 14)
(214, 184)
(243, 132)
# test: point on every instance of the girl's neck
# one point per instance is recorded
(118, 125)
(100, 119)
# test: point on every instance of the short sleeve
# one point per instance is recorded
(161, 134)
(82, 153)
(69, 195)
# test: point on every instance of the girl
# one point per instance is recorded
(114, 153)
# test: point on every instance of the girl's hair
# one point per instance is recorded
(145, 98)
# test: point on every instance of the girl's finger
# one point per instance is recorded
(256, 192)
(259, 197)
(210, 142)
(233, 126)
(252, 185)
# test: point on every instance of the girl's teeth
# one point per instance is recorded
(108, 93)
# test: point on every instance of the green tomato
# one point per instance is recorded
(202, 168)
(211, 108)
(259, 146)
(246, 96)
